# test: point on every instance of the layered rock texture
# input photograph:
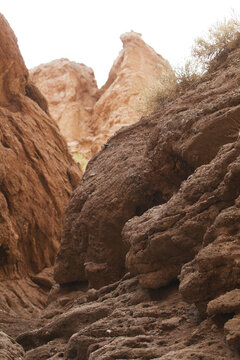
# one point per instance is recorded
(9, 349)
(87, 117)
(37, 176)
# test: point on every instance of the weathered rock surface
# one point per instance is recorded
(225, 304)
(173, 233)
(124, 321)
(143, 166)
(86, 120)
(215, 269)
(232, 331)
(71, 91)
(13, 71)
(9, 349)
(37, 176)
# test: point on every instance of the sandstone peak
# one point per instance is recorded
(87, 117)
(130, 36)
(134, 69)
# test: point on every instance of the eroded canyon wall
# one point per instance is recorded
(37, 174)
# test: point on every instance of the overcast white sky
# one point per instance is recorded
(87, 31)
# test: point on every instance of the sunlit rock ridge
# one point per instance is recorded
(87, 117)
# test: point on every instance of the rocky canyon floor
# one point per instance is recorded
(118, 321)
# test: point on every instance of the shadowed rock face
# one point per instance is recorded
(166, 237)
(37, 174)
(216, 268)
(142, 168)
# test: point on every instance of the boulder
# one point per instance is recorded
(227, 303)
(232, 332)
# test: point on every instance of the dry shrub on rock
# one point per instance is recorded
(162, 91)
(206, 52)
(220, 39)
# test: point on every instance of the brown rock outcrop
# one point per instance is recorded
(232, 332)
(37, 175)
(215, 270)
(143, 167)
(174, 232)
(225, 304)
(71, 91)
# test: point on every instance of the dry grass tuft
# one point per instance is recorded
(187, 76)
(162, 91)
(217, 41)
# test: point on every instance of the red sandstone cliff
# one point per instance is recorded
(37, 176)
